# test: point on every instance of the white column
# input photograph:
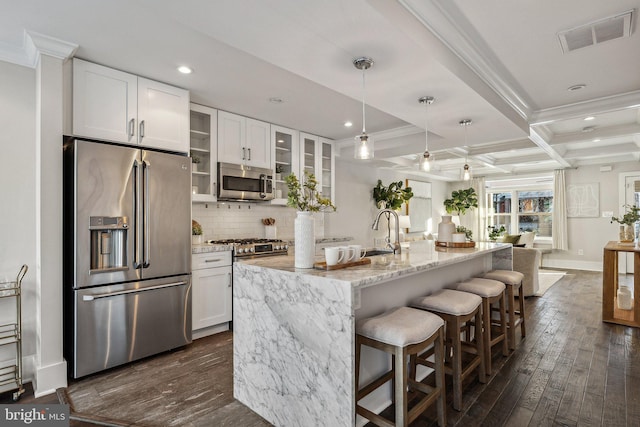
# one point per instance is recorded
(50, 366)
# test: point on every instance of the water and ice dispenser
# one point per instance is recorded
(108, 243)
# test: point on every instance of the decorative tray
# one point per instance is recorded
(470, 244)
(323, 265)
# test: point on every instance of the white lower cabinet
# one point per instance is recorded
(212, 293)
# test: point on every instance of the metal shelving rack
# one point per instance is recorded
(11, 333)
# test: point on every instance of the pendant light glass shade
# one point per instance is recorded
(425, 160)
(363, 145)
(466, 169)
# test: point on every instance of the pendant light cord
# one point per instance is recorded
(426, 127)
(363, 101)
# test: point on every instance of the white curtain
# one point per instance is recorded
(559, 228)
(476, 219)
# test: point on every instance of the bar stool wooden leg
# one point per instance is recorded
(512, 317)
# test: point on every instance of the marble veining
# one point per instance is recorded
(416, 258)
(292, 344)
(294, 328)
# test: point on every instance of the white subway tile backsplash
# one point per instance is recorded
(238, 220)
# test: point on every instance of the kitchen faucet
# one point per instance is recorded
(396, 245)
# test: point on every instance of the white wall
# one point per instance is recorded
(591, 234)
(354, 200)
(17, 199)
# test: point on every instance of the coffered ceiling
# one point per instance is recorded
(497, 63)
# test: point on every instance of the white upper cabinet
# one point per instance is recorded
(242, 140)
(163, 116)
(317, 156)
(285, 146)
(116, 106)
(204, 149)
(104, 103)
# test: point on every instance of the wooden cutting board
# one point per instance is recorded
(323, 265)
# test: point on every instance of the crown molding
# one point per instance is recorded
(449, 25)
(33, 45)
(593, 106)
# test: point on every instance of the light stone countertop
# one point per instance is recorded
(417, 257)
(208, 248)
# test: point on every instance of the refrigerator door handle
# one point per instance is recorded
(147, 228)
(136, 216)
(131, 291)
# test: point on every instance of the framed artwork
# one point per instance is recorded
(583, 200)
(419, 206)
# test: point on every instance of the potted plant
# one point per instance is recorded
(461, 201)
(464, 230)
(495, 232)
(628, 223)
(279, 170)
(392, 196)
(196, 232)
(306, 199)
(194, 163)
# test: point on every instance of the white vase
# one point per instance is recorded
(196, 239)
(305, 240)
(446, 228)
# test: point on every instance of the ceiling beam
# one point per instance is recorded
(600, 133)
(540, 142)
(604, 151)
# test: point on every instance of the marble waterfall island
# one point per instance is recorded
(294, 339)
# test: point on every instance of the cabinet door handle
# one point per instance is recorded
(249, 149)
(230, 282)
(131, 127)
(244, 153)
(213, 260)
(141, 131)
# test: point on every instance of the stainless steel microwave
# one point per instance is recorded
(241, 182)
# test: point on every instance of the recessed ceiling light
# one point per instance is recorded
(596, 140)
(184, 69)
(586, 119)
(276, 100)
(348, 124)
(576, 87)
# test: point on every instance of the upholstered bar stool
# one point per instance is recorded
(491, 292)
(456, 308)
(513, 282)
(403, 332)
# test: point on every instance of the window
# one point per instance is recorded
(521, 210)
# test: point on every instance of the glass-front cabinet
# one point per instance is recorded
(326, 174)
(203, 150)
(286, 148)
(318, 157)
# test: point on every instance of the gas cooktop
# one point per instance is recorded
(245, 248)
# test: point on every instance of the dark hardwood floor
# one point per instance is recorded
(571, 369)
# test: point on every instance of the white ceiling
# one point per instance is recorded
(495, 62)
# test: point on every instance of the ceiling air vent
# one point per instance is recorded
(599, 31)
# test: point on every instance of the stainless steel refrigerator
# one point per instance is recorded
(127, 254)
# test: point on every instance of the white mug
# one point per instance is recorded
(358, 252)
(333, 255)
(349, 254)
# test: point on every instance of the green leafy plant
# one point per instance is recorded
(461, 201)
(196, 228)
(495, 232)
(304, 196)
(462, 229)
(630, 217)
(391, 197)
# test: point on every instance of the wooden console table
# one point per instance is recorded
(610, 311)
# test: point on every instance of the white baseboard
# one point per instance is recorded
(572, 264)
(205, 332)
(49, 378)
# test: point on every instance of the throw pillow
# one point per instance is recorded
(511, 238)
(527, 239)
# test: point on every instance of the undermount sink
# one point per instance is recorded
(374, 252)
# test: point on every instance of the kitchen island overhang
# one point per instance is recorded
(294, 329)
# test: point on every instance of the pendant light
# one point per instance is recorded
(426, 159)
(363, 145)
(466, 169)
